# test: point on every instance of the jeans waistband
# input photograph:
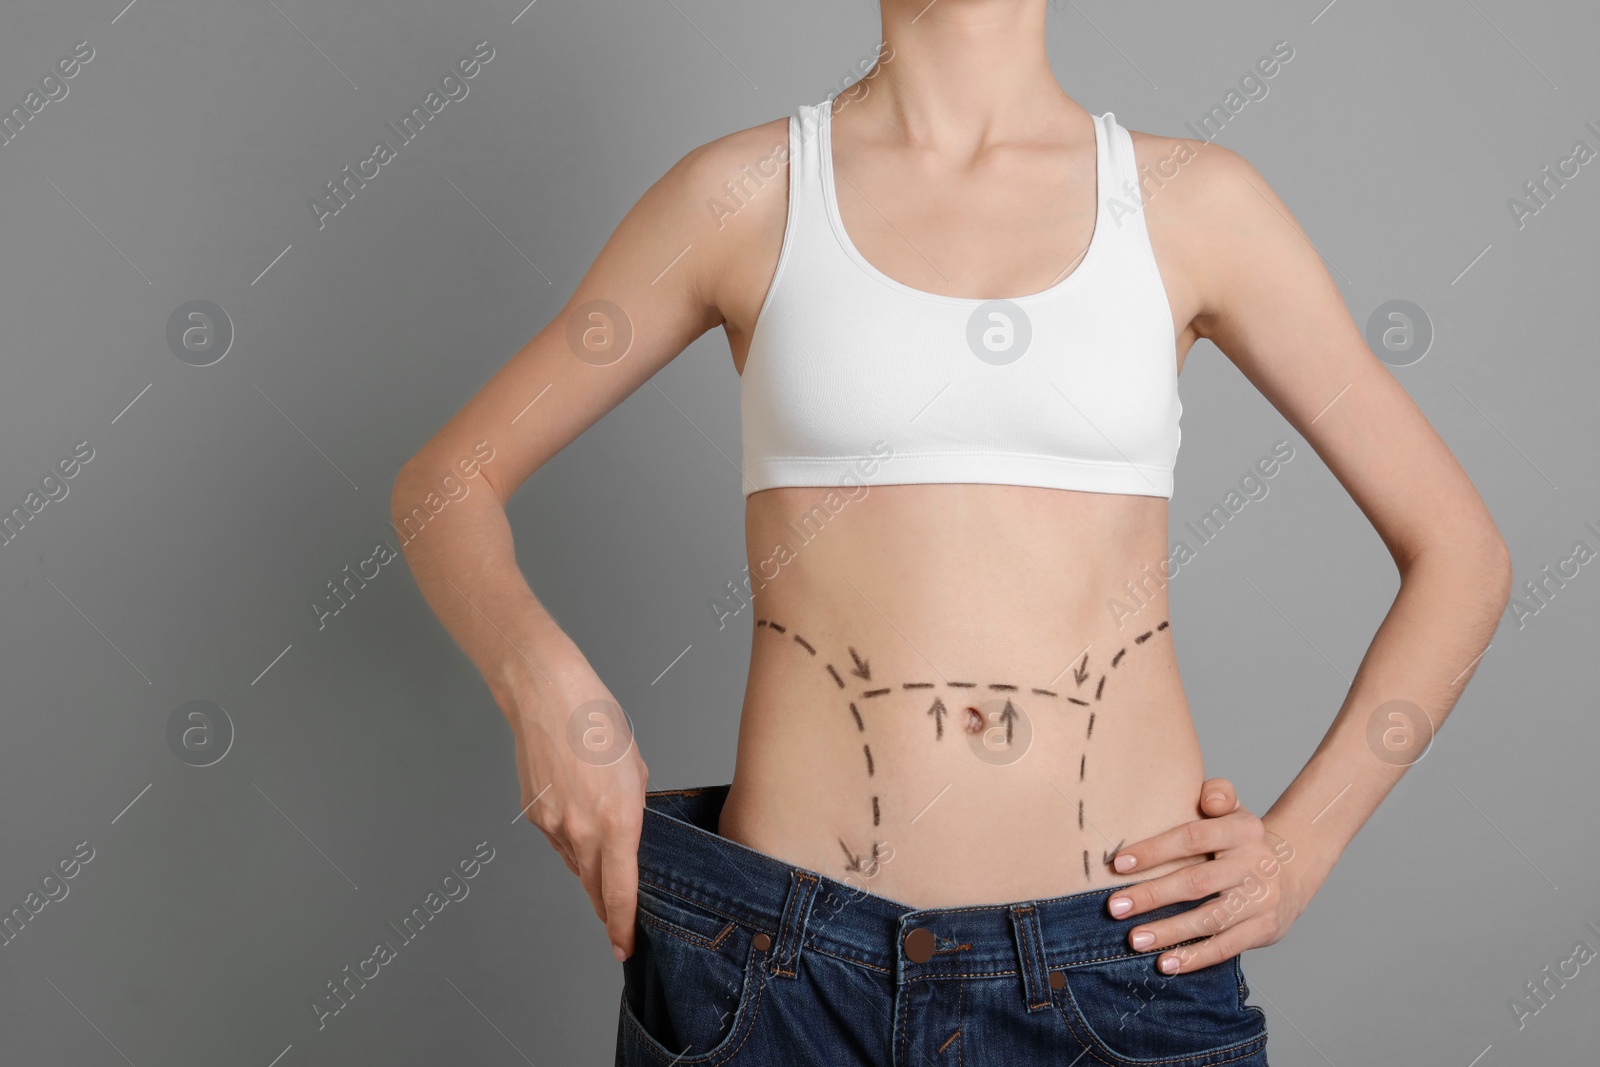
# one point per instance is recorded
(800, 909)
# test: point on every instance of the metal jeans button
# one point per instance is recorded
(919, 945)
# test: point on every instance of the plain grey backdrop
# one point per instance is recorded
(361, 759)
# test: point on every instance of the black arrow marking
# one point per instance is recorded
(1080, 673)
(1118, 657)
(860, 726)
(1008, 715)
(1105, 857)
(938, 711)
(861, 669)
(853, 862)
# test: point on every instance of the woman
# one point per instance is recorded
(969, 820)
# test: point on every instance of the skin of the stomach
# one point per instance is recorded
(858, 757)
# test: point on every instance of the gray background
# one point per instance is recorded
(370, 757)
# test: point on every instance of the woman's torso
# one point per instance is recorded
(883, 612)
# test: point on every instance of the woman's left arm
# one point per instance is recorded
(1266, 300)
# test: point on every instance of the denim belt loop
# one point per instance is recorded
(792, 927)
(1030, 956)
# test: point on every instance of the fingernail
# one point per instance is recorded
(1124, 863)
(1169, 965)
(1143, 940)
(1121, 906)
(616, 950)
(1214, 798)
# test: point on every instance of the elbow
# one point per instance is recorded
(1498, 573)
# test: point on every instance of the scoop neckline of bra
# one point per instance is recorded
(830, 200)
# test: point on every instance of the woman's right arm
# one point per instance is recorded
(657, 275)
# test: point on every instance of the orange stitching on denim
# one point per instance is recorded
(949, 1039)
(1093, 1046)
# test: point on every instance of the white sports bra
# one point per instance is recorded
(1071, 387)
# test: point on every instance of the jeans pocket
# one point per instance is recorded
(691, 986)
(1132, 1014)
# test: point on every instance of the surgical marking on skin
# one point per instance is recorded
(1008, 715)
(861, 670)
(1106, 857)
(975, 723)
(855, 865)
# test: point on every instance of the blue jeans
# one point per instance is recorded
(743, 959)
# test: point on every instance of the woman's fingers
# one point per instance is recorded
(1217, 797)
(1189, 883)
(619, 889)
(1213, 950)
(1198, 838)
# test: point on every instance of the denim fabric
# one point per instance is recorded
(743, 959)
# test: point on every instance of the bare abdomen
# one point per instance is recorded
(949, 711)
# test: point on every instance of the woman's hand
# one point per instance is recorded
(583, 785)
(1251, 867)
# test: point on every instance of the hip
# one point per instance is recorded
(743, 958)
